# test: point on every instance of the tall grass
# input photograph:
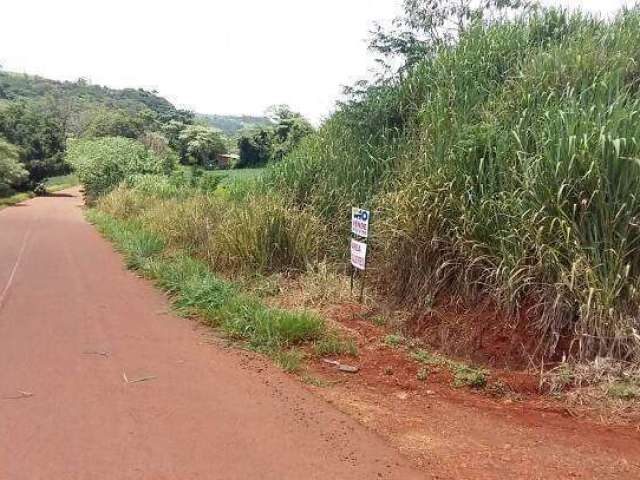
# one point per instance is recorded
(232, 231)
(505, 169)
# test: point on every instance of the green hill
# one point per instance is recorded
(15, 86)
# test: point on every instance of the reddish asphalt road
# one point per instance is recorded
(67, 413)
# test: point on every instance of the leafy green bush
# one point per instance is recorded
(273, 142)
(101, 164)
(11, 171)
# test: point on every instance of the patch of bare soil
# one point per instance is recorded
(505, 430)
(480, 334)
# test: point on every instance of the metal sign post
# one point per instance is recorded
(360, 219)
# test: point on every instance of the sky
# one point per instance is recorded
(210, 56)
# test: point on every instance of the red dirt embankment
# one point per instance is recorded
(458, 433)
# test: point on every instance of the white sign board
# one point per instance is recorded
(358, 254)
(360, 222)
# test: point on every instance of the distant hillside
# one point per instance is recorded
(14, 86)
(232, 125)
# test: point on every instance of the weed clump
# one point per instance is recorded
(624, 391)
(463, 375)
(333, 344)
(394, 340)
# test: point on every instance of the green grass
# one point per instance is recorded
(242, 173)
(394, 340)
(196, 291)
(256, 234)
(624, 391)
(333, 344)
(62, 182)
(315, 381)
(463, 374)
(428, 358)
(14, 199)
(290, 360)
(228, 176)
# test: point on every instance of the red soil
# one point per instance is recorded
(458, 433)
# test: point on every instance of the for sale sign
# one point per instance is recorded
(360, 222)
(358, 254)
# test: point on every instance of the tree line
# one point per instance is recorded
(38, 117)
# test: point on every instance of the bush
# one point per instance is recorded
(101, 164)
(40, 190)
(12, 173)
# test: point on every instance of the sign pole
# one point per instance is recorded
(353, 273)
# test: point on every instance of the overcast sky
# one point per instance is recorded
(211, 56)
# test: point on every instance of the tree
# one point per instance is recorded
(172, 131)
(288, 132)
(265, 144)
(12, 172)
(428, 25)
(105, 122)
(157, 143)
(40, 134)
(202, 144)
(255, 147)
(102, 163)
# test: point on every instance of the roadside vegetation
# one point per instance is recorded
(259, 146)
(503, 170)
(197, 292)
(41, 119)
(50, 186)
(501, 164)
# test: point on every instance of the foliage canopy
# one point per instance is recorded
(101, 164)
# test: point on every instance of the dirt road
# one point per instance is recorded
(74, 323)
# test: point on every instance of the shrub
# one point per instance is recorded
(101, 164)
(12, 172)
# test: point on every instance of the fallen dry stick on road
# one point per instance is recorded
(21, 394)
